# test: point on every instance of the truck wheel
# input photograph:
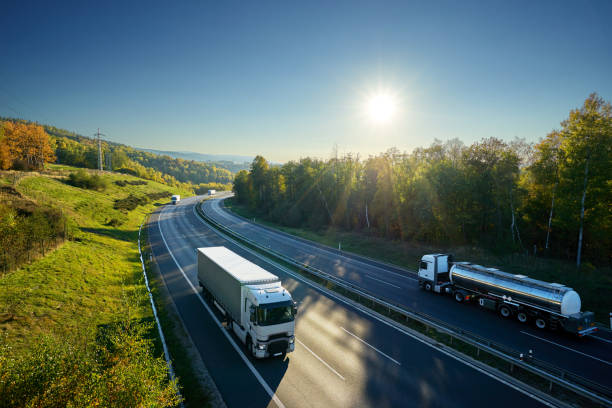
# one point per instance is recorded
(505, 311)
(540, 323)
(459, 297)
(522, 317)
(427, 287)
(249, 347)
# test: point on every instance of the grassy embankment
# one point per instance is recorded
(593, 284)
(90, 283)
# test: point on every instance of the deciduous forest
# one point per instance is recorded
(25, 145)
(552, 197)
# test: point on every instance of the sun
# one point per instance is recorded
(381, 107)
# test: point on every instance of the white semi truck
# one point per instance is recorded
(212, 192)
(255, 305)
(546, 304)
(175, 199)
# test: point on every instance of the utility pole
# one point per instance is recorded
(98, 134)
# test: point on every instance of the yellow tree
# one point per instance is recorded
(28, 144)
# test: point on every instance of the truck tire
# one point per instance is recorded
(540, 323)
(459, 297)
(427, 286)
(522, 317)
(249, 346)
(505, 311)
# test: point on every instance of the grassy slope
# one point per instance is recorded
(84, 283)
(593, 285)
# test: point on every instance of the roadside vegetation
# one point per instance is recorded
(541, 210)
(76, 328)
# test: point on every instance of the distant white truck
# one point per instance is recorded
(255, 305)
(175, 199)
(212, 192)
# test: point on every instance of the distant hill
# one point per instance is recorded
(215, 158)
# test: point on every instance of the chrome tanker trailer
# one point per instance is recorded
(546, 304)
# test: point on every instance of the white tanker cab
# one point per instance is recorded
(547, 305)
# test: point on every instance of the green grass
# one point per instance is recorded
(84, 283)
(593, 284)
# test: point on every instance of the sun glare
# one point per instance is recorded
(381, 107)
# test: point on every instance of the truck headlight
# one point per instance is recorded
(261, 346)
(291, 340)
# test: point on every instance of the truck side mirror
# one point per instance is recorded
(294, 308)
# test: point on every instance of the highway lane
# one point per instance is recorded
(344, 356)
(589, 357)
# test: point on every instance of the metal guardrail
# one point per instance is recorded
(551, 374)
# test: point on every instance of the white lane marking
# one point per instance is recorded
(567, 348)
(320, 359)
(599, 338)
(382, 281)
(261, 380)
(371, 346)
(366, 312)
(225, 214)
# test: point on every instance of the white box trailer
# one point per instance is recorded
(256, 306)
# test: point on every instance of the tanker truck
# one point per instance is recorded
(255, 305)
(547, 305)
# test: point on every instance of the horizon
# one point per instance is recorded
(290, 81)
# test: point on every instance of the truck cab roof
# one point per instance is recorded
(268, 293)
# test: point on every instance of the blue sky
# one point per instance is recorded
(289, 79)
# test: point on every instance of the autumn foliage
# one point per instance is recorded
(24, 146)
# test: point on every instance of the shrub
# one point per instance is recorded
(81, 179)
(118, 370)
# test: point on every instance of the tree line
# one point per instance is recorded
(551, 197)
(27, 146)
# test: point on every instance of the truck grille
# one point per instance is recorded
(277, 347)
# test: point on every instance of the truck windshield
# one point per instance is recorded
(275, 313)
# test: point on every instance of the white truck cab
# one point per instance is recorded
(433, 272)
(175, 199)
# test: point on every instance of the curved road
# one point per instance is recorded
(344, 355)
(589, 357)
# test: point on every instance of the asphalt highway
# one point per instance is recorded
(589, 357)
(344, 355)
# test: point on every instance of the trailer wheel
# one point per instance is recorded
(427, 287)
(459, 297)
(522, 317)
(505, 311)
(540, 323)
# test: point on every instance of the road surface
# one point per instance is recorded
(589, 357)
(344, 355)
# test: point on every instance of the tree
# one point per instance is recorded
(587, 144)
(27, 145)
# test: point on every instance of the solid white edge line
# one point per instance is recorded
(261, 380)
(567, 348)
(599, 338)
(219, 211)
(159, 326)
(371, 346)
(368, 313)
(381, 281)
(320, 359)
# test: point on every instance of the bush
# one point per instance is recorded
(81, 179)
(118, 370)
(123, 183)
(130, 202)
